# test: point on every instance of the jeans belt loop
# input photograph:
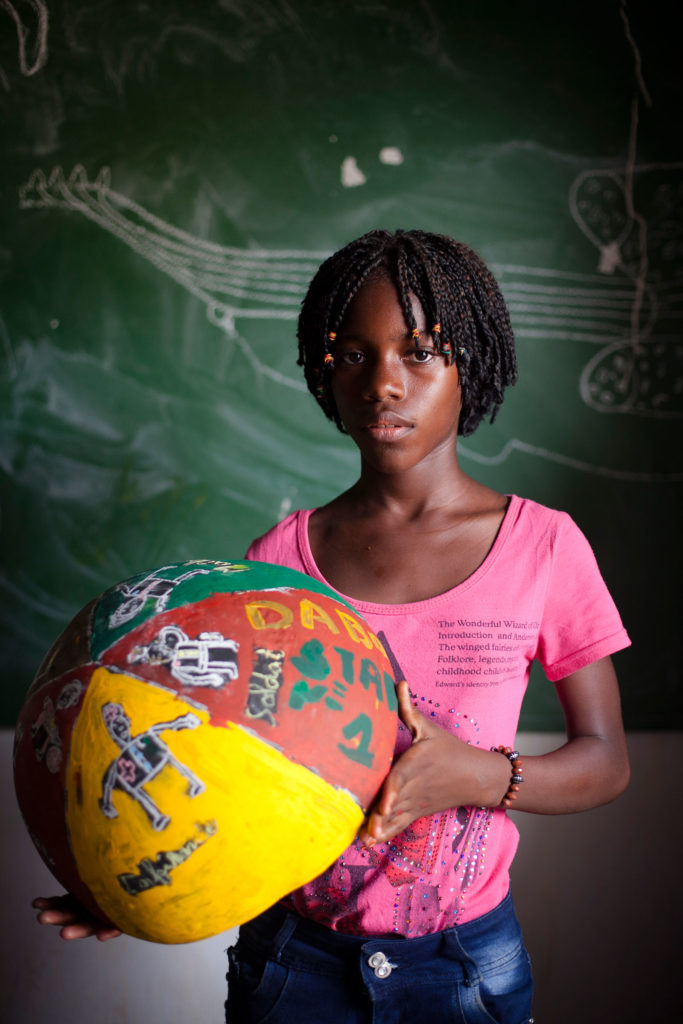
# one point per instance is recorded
(469, 966)
(283, 935)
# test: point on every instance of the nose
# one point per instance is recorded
(384, 379)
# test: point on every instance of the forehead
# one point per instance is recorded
(377, 304)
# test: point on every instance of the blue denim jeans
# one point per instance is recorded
(286, 970)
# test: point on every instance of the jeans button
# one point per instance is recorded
(380, 965)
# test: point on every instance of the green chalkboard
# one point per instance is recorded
(172, 174)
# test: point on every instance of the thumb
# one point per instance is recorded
(406, 712)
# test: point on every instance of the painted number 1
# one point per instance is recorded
(360, 726)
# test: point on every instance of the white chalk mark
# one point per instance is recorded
(624, 384)
(646, 382)
(624, 377)
(570, 306)
(638, 219)
(609, 258)
(250, 283)
(260, 367)
(38, 58)
(351, 174)
(391, 155)
(597, 203)
(515, 445)
(636, 54)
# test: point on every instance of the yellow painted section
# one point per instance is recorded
(260, 827)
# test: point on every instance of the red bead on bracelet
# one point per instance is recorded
(516, 778)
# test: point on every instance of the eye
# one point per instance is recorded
(351, 357)
(422, 355)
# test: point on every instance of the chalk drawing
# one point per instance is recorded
(391, 155)
(351, 174)
(250, 283)
(537, 451)
(634, 217)
(546, 305)
(31, 63)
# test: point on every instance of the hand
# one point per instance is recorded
(437, 772)
(108, 809)
(74, 921)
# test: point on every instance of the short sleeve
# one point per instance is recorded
(581, 623)
(279, 545)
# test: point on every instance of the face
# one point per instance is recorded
(397, 397)
(118, 724)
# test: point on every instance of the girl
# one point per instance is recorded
(406, 343)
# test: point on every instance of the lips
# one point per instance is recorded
(387, 426)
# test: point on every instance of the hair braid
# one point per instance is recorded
(455, 289)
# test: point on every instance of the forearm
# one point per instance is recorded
(438, 771)
(586, 772)
(592, 767)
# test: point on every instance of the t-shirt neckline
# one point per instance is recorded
(304, 515)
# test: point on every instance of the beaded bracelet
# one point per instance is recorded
(516, 779)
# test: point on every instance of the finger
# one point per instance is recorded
(369, 831)
(391, 788)
(66, 902)
(374, 829)
(86, 929)
(71, 918)
(73, 927)
(366, 836)
(408, 714)
(77, 931)
(389, 828)
(381, 828)
(53, 915)
(52, 901)
(382, 819)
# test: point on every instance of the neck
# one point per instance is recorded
(416, 491)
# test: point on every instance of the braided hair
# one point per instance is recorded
(457, 292)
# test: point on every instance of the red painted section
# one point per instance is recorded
(325, 708)
(41, 754)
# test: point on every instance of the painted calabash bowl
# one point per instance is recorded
(201, 740)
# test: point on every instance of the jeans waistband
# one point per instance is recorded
(285, 936)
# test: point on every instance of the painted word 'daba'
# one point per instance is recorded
(201, 740)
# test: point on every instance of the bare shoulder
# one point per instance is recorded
(479, 498)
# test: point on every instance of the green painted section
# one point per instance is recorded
(128, 604)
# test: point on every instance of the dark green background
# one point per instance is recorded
(136, 430)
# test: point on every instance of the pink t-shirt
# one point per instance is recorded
(466, 655)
